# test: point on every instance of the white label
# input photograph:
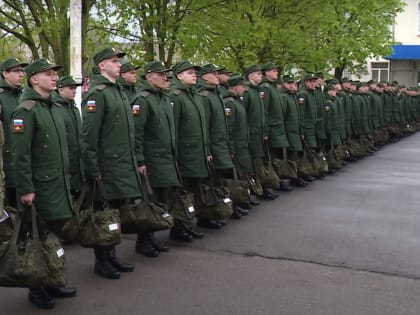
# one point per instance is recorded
(60, 252)
(113, 227)
(4, 216)
(165, 215)
(227, 200)
(191, 209)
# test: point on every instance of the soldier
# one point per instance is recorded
(277, 137)
(216, 126)
(257, 124)
(156, 150)
(64, 96)
(308, 112)
(39, 152)
(109, 148)
(223, 74)
(320, 105)
(128, 79)
(11, 80)
(292, 123)
(193, 153)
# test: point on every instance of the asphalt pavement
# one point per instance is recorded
(346, 244)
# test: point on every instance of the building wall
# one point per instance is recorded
(407, 24)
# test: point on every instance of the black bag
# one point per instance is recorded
(183, 209)
(238, 189)
(145, 215)
(94, 227)
(285, 169)
(31, 261)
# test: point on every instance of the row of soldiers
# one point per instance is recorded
(203, 123)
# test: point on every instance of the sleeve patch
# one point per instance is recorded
(18, 125)
(91, 106)
(301, 100)
(135, 110)
(228, 111)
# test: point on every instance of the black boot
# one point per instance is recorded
(158, 244)
(61, 292)
(145, 247)
(180, 235)
(117, 262)
(195, 233)
(41, 298)
(285, 185)
(103, 267)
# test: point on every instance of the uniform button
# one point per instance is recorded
(47, 135)
(45, 146)
(46, 176)
(115, 155)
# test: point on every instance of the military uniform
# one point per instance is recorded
(39, 153)
(108, 146)
(130, 89)
(9, 99)
(308, 112)
(73, 122)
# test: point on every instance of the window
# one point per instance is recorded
(379, 71)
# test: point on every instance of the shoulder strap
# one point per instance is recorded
(28, 104)
(100, 87)
(204, 93)
(176, 92)
(144, 93)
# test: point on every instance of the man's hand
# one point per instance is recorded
(27, 199)
(209, 157)
(142, 169)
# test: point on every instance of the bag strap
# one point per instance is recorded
(147, 189)
(35, 231)
(267, 151)
(17, 227)
(285, 158)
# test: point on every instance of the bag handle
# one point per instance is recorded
(285, 158)
(267, 151)
(35, 231)
(17, 227)
(147, 189)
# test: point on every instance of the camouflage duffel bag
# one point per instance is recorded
(215, 203)
(239, 190)
(183, 209)
(29, 261)
(7, 222)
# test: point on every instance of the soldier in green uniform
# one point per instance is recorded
(274, 109)
(108, 146)
(39, 153)
(156, 149)
(320, 103)
(257, 123)
(308, 112)
(64, 96)
(11, 80)
(128, 79)
(332, 118)
(223, 75)
(193, 152)
(292, 123)
(217, 132)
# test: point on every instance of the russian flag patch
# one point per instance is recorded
(135, 110)
(18, 125)
(91, 106)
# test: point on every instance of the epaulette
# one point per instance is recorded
(144, 93)
(176, 92)
(204, 93)
(57, 104)
(28, 104)
(229, 99)
(266, 84)
(100, 87)
(1, 90)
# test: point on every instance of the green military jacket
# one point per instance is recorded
(9, 100)
(320, 105)
(376, 108)
(308, 113)
(332, 121)
(387, 107)
(190, 131)
(341, 115)
(291, 119)
(40, 155)
(155, 136)
(214, 109)
(357, 113)
(238, 133)
(73, 123)
(252, 101)
(108, 142)
(274, 115)
(129, 89)
(366, 113)
(348, 111)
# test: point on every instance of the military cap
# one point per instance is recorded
(360, 84)
(128, 66)
(107, 53)
(67, 80)
(319, 75)
(310, 76)
(332, 81)
(329, 87)
(269, 66)
(182, 66)
(371, 82)
(155, 66)
(40, 65)
(251, 69)
(394, 83)
(11, 63)
(288, 78)
(344, 80)
(236, 79)
(223, 70)
(207, 68)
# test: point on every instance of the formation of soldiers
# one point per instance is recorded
(181, 128)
